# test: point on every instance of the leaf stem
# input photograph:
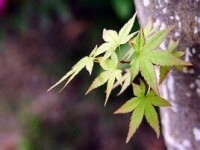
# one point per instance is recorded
(124, 62)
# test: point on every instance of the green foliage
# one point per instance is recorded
(143, 105)
(109, 75)
(113, 39)
(141, 58)
(85, 62)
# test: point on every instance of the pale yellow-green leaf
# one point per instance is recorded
(110, 36)
(114, 75)
(81, 63)
(158, 101)
(100, 80)
(89, 65)
(134, 67)
(172, 48)
(117, 83)
(61, 80)
(129, 106)
(122, 80)
(148, 27)
(73, 72)
(152, 118)
(156, 39)
(136, 120)
(133, 42)
(93, 51)
(142, 87)
(164, 70)
(108, 54)
(107, 64)
(110, 84)
(173, 45)
(126, 82)
(164, 58)
(128, 55)
(103, 48)
(113, 39)
(72, 76)
(137, 90)
(139, 41)
(114, 59)
(125, 30)
(177, 53)
(128, 38)
(118, 76)
(148, 72)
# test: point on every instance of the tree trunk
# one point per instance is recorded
(181, 123)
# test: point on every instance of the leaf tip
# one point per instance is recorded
(189, 64)
(135, 14)
(49, 89)
(88, 91)
(128, 138)
(117, 111)
(52, 87)
(118, 94)
(61, 89)
(169, 105)
(158, 134)
(106, 101)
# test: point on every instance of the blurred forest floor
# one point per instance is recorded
(34, 57)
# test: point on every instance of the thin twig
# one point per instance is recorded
(124, 62)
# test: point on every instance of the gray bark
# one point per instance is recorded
(181, 123)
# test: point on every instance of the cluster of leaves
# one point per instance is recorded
(139, 61)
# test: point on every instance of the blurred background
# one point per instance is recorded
(40, 40)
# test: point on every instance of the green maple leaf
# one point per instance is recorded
(148, 29)
(110, 74)
(164, 70)
(86, 62)
(142, 105)
(147, 54)
(136, 120)
(113, 39)
(125, 82)
(141, 58)
(138, 41)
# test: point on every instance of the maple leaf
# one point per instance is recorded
(110, 74)
(86, 62)
(141, 58)
(113, 39)
(125, 82)
(147, 54)
(164, 70)
(142, 105)
(149, 29)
